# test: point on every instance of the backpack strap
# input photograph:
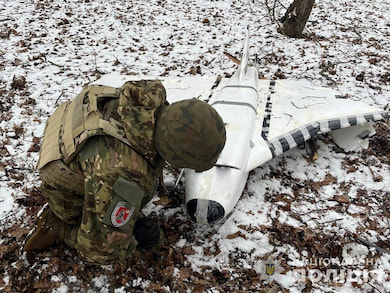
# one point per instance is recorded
(87, 120)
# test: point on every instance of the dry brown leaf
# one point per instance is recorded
(341, 199)
(184, 273)
(164, 200)
(188, 250)
(235, 235)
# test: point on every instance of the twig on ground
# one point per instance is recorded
(62, 92)
(368, 243)
(322, 72)
(330, 221)
(234, 59)
(369, 283)
(55, 64)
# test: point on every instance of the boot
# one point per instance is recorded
(49, 231)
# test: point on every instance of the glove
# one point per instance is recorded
(146, 232)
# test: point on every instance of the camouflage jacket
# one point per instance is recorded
(108, 137)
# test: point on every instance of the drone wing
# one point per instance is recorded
(296, 111)
(177, 88)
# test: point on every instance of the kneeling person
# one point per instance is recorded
(100, 161)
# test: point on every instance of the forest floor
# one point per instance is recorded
(323, 224)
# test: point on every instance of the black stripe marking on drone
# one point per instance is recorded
(272, 149)
(313, 130)
(284, 143)
(268, 111)
(298, 137)
(334, 124)
(266, 123)
(352, 121)
(369, 117)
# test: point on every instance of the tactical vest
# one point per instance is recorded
(68, 129)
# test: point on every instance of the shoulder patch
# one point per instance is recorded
(121, 214)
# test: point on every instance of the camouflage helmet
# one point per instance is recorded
(190, 134)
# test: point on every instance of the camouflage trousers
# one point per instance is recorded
(101, 162)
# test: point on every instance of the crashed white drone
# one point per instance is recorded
(263, 119)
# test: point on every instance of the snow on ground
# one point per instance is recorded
(313, 220)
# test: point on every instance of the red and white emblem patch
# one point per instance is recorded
(121, 214)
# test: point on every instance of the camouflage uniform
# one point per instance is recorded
(104, 175)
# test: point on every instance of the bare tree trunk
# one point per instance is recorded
(295, 18)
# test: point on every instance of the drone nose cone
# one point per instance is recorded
(215, 211)
(205, 211)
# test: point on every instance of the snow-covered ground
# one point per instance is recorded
(313, 220)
